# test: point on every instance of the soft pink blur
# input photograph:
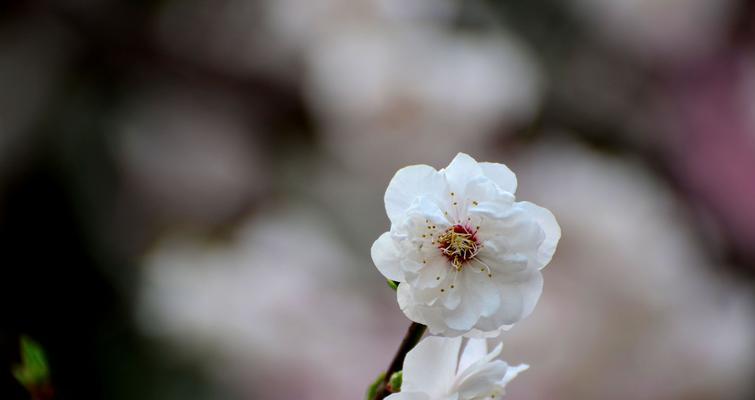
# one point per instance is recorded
(254, 140)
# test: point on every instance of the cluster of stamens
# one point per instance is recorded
(459, 244)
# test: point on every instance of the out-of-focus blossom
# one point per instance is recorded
(388, 80)
(295, 25)
(666, 30)
(384, 96)
(277, 299)
(434, 370)
(187, 156)
(467, 255)
(636, 305)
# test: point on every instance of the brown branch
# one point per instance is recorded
(413, 335)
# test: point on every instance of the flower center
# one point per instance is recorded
(459, 244)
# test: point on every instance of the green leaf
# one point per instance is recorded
(395, 381)
(372, 390)
(33, 370)
(393, 284)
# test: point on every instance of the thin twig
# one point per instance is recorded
(413, 335)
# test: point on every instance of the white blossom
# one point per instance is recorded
(434, 370)
(467, 255)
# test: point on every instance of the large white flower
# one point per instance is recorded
(434, 371)
(467, 255)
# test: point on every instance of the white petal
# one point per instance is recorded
(462, 318)
(474, 351)
(485, 330)
(506, 266)
(432, 273)
(431, 366)
(451, 298)
(513, 229)
(387, 258)
(425, 297)
(483, 381)
(409, 183)
(512, 372)
(422, 213)
(501, 175)
(416, 304)
(483, 377)
(478, 297)
(550, 227)
(482, 290)
(461, 170)
(518, 298)
(482, 189)
(407, 303)
(504, 219)
(474, 368)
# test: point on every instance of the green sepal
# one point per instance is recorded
(372, 390)
(395, 381)
(393, 284)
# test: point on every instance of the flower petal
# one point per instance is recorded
(550, 227)
(417, 305)
(475, 350)
(451, 298)
(479, 297)
(518, 298)
(506, 266)
(432, 273)
(483, 189)
(419, 218)
(431, 366)
(409, 183)
(481, 289)
(387, 258)
(512, 372)
(501, 175)
(461, 169)
(483, 381)
(481, 362)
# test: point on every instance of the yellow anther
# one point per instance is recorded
(458, 247)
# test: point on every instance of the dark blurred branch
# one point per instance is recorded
(413, 335)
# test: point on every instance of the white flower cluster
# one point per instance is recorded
(468, 259)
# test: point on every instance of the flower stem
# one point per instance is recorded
(413, 335)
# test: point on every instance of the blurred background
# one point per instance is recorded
(189, 189)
